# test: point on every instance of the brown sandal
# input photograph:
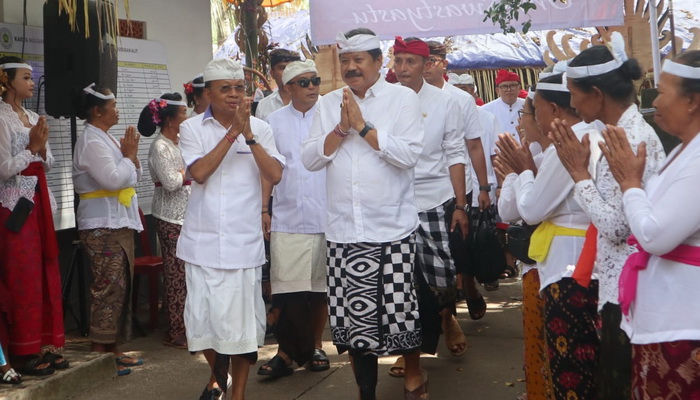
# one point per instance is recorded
(399, 365)
(454, 337)
(419, 393)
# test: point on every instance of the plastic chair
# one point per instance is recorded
(152, 267)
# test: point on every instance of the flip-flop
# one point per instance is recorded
(476, 307)
(321, 360)
(398, 369)
(52, 358)
(11, 377)
(277, 368)
(419, 393)
(123, 371)
(30, 368)
(120, 361)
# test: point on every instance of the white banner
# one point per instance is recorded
(430, 18)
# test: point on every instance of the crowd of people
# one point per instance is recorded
(367, 196)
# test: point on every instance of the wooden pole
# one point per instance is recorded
(674, 51)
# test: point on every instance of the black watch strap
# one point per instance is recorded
(485, 188)
(364, 130)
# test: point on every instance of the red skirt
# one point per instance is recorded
(30, 273)
(669, 370)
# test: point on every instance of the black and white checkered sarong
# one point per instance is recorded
(433, 257)
(371, 296)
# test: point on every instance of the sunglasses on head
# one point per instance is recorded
(305, 82)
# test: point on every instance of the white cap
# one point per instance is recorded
(361, 42)
(296, 68)
(453, 78)
(223, 68)
(466, 79)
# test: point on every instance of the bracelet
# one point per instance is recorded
(265, 212)
(485, 188)
(230, 139)
(340, 132)
(499, 187)
(460, 208)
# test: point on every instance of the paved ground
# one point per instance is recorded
(490, 370)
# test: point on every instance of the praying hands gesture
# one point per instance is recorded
(573, 154)
(38, 136)
(129, 145)
(350, 113)
(241, 120)
(627, 168)
(514, 156)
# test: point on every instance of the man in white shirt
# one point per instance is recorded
(372, 212)
(441, 197)
(227, 152)
(279, 58)
(466, 83)
(507, 105)
(297, 239)
(472, 134)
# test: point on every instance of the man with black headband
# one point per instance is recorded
(369, 136)
(279, 58)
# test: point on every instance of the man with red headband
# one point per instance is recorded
(507, 105)
(441, 197)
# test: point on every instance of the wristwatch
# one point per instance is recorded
(252, 141)
(368, 127)
(485, 188)
(463, 208)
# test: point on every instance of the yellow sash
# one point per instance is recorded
(541, 239)
(123, 195)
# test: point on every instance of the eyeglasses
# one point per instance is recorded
(435, 59)
(305, 82)
(521, 113)
(226, 89)
(512, 86)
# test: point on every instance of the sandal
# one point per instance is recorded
(53, 359)
(121, 361)
(454, 337)
(31, 367)
(398, 369)
(276, 368)
(319, 361)
(419, 393)
(476, 307)
(123, 371)
(179, 343)
(509, 272)
(491, 286)
(11, 377)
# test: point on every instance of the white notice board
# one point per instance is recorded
(142, 75)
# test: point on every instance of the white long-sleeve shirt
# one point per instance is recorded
(370, 193)
(602, 201)
(223, 224)
(300, 197)
(98, 164)
(165, 165)
(15, 158)
(549, 197)
(443, 147)
(268, 105)
(507, 115)
(662, 216)
(491, 128)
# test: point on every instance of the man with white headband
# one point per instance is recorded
(368, 136)
(279, 59)
(296, 232)
(466, 83)
(227, 153)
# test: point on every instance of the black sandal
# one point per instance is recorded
(11, 377)
(476, 307)
(277, 368)
(322, 363)
(52, 358)
(30, 368)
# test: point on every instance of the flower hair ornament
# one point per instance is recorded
(156, 105)
(189, 89)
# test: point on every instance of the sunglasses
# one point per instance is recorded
(521, 113)
(305, 82)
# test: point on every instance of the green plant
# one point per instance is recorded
(505, 12)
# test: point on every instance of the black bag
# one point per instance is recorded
(487, 255)
(518, 241)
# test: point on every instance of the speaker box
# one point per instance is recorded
(72, 61)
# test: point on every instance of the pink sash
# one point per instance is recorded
(638, 261)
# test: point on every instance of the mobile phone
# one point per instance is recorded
(19, 215)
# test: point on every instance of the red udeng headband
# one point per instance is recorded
(416, 47)
(506, 76)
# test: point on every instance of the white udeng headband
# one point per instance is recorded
(172, 102)
(531, 94)
(198, 85)
(16, 65)
(360, 42)
(682, 70)
(90, 90)
(617, 49)
(555, 87)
